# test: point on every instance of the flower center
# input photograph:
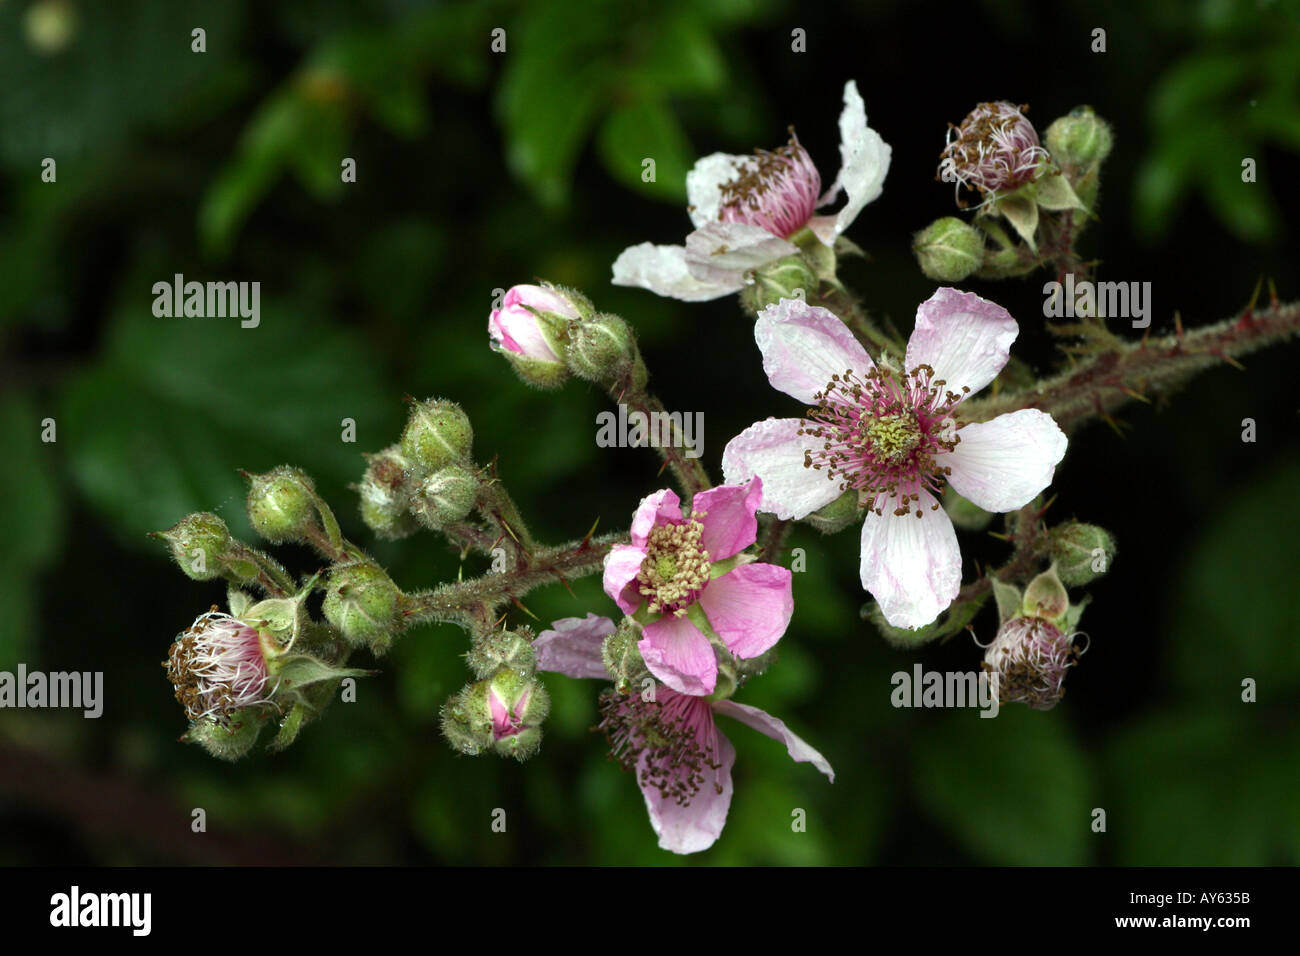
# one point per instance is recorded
(670, 742)
(1030, 658)
(882, 434)
(776, 191)
(676, 566)
(216, 667)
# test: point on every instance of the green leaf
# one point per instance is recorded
(1014, 788)
(647, 129)
(160, 425)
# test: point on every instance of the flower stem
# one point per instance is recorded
(689, 472)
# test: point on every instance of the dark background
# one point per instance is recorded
(479, 170)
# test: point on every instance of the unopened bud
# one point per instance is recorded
(199, 543)
(531, 328)
(364, 604)
(837, 515)
(788, 278)
(512, 650)
(385, 494)
(1081, 138)
(445, 497)
(282, 504)
(622, 658)
(518, 705)
(949, 250)
(437, 434)
(1082, 552)
(230, 740)
(603, 350)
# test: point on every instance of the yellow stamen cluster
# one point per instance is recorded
(676, 566)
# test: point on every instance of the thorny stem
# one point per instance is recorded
(1105, 381)
(500, 510)
(473, 603)
(689, 472)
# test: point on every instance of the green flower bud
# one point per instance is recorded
(282, 504)
(965, 514)
(466, 720)
(622, 658)
(837, 515)
(788, 278)
(1081, 138)
(199, 543)
(518, 705)
(445, 497)
(386, 495)
(603, 350)
(512, 650)
(229, 740)
(364, 604)
(948, 250)
(1082, 552)
(437, 434)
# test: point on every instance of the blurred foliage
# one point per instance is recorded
(479, 169)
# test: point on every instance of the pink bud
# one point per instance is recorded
(523, 325)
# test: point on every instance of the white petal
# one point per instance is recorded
(1002, 464)
(964, 338)
(704, 182)
(804, 345)
(573, 646)
(864, 161)
(722, 252)
(662, 270)
(911, 565)
(773, 451)
(800, 750)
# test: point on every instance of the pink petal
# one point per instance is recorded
(572, 646)
(661, 507)
(911, 566)
(705, 181)
(965, 339)
(773, 451)
(804, 345)
(766, 724)
(697, 825)
(677, 653)
(663, 270)
(1000, 465)
(621, 567)
(730, 524)
(719, 251)
(749, 607)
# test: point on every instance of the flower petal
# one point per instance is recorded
(677, 653)
(661, 507)
(1001, 464)
(911, 565)
(696, 826)
(621, 567)
(804, 345)
(704, 184)
(800, 751)
(663, 270)
(729, 518)
(964, 338)
(864, 161)
(720, 251)
(749, 607)
(774, 451)
(572, 646)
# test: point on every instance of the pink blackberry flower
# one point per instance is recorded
(995, 151)
(893, 436)
(218, 666)
(685, 580)
(1029, 659)
(671, 741)
(517, 327)
(746, 209)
